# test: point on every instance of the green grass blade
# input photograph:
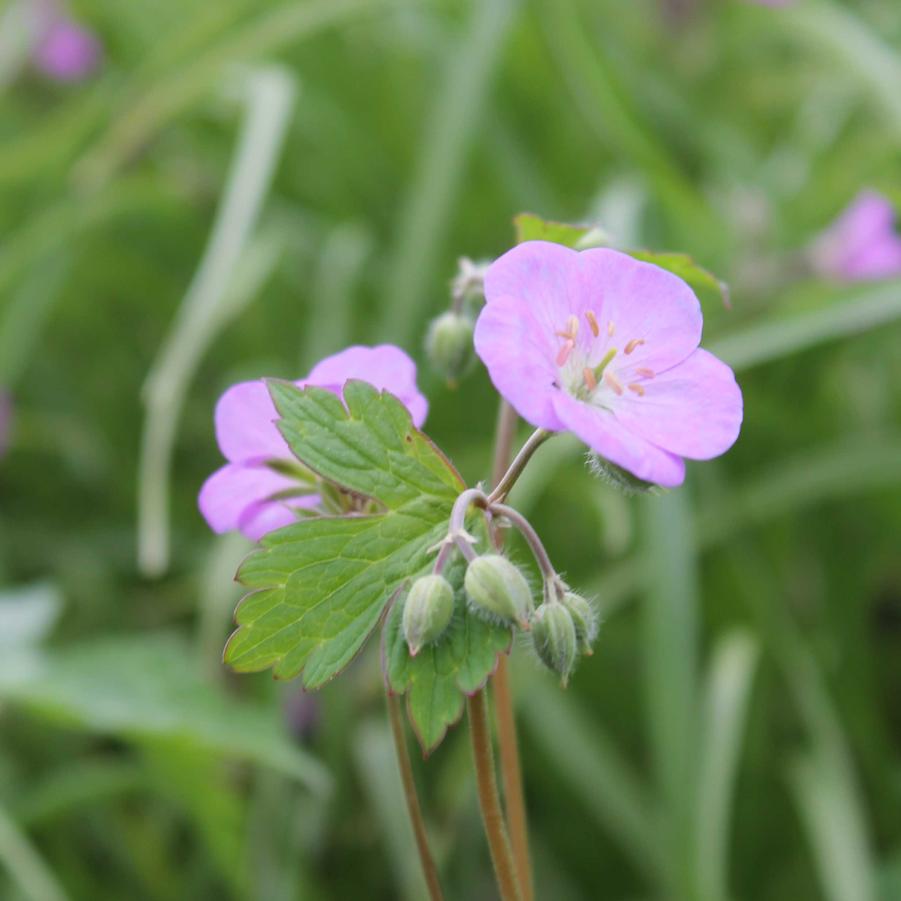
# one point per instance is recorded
(670, 652)
(829, 818)
(377, 769)
(433, 190)
(727, 696)
(24, 865)
(598, 776)
(847, 39)
(862, 310)
(143, 116)
(211, 296)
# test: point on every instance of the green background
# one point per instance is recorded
(245, 187)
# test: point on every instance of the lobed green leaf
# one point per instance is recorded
(320, 586)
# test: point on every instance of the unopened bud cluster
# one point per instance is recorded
(448, 344)
(561, 629)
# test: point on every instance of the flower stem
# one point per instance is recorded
(511, 775)
(508, 480)
(430, 871)
(508, 745)
(489, 801)
(531, 536)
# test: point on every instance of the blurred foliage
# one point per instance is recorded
(737, 732)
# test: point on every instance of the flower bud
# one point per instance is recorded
(449, 344)
(585, 620)
(496, 587)
(554, 638)
(427, 611)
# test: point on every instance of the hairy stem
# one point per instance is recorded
(508, 745)
(531, 536)
(508, 480)
(511, 775)
(489, 801)
(430, 871)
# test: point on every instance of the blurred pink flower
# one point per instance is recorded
(249, 493)
(604, 346)
(863, 244)
(65, 50)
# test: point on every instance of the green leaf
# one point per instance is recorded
(703, 282)
(437, 677)
(321, 586)
(149, 687)
(530, 227)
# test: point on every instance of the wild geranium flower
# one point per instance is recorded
(65, 50)
(255, 492)
(604, 346)
(863, 244)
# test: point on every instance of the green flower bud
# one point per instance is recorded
(496, 587)
(585, 620)
(449, 344)
(554, 638)
(428, 611)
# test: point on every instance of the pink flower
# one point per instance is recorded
(601, 345)
(251, 492)
(65, 51)
(863, 244)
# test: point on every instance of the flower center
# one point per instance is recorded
(594, 370)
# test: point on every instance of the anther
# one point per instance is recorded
(611, 328)
(635, 342)
(572, 329)
(593, 323)
(645, 373)
(565, 351)
(636, 389)
(588, 377)
(613, 381)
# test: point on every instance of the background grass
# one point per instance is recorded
(247, 186)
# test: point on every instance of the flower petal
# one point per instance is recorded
(603, 433)
(245, 425)
(266, 516)
(231, 490)
(539, 275)
(519, 356)
(652, 313)
(693, 410)
(386, 367)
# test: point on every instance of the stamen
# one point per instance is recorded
(588, 377)
(613, 382)
(572, 329)
(611, 328)
(565, 351)
(637, 389)
(593, 323)
(645, 373)
(635, 342)
(599, 369)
